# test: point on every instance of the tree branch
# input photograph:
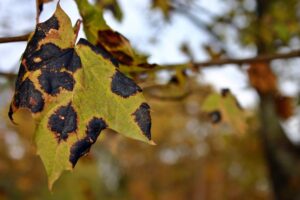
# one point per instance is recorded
(224, 61)
(8, 75)
(20, 38)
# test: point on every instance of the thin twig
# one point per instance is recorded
(20, 38)
(77, 28)
(8, 75)
(170, 98)
(225, 61)
(38, 5)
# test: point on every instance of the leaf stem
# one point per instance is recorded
(38, 10)
(77, 28)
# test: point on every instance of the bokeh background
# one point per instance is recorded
(194, 158)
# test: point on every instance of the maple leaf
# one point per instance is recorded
(225, 108)
(74, 92)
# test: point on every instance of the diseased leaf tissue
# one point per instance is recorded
(100, 34)
(74, 92)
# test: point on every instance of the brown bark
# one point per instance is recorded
(282, 156)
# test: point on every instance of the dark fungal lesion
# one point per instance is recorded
(215, 116)
(63, 122)
(52, 82)
(42, 29)
(10, 113)
(100, 50)
(27, 96)
(122, 57)
(82, 147)
(49, 55)
(21, 73)
(111, 38)
(123, 86)
(143, 119)
(225, 92)
(113, 41)
(52, 57)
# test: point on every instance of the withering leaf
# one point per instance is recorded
(225, 108)
(262, 78)
(101, 35)
(74, 92)
(284, 106)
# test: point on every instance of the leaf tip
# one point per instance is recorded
(151, 142)
(50, 184)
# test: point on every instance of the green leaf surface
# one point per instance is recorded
(74, 92)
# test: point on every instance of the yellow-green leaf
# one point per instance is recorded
(225, 108)
(74, 92)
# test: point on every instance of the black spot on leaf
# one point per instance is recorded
(95, 126)
(51, 81)
(45, 53)
(82, 147)
(79, 149)
(225, 92)
(215, 116)
(123, 86)
(143, 119)
(75, 62)
(63, 122)
(51, 23)
(10, 113)
(28, 97)
(22, 71)
(174, 80)
(100, 50)
(53, 58)
(40, 33)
